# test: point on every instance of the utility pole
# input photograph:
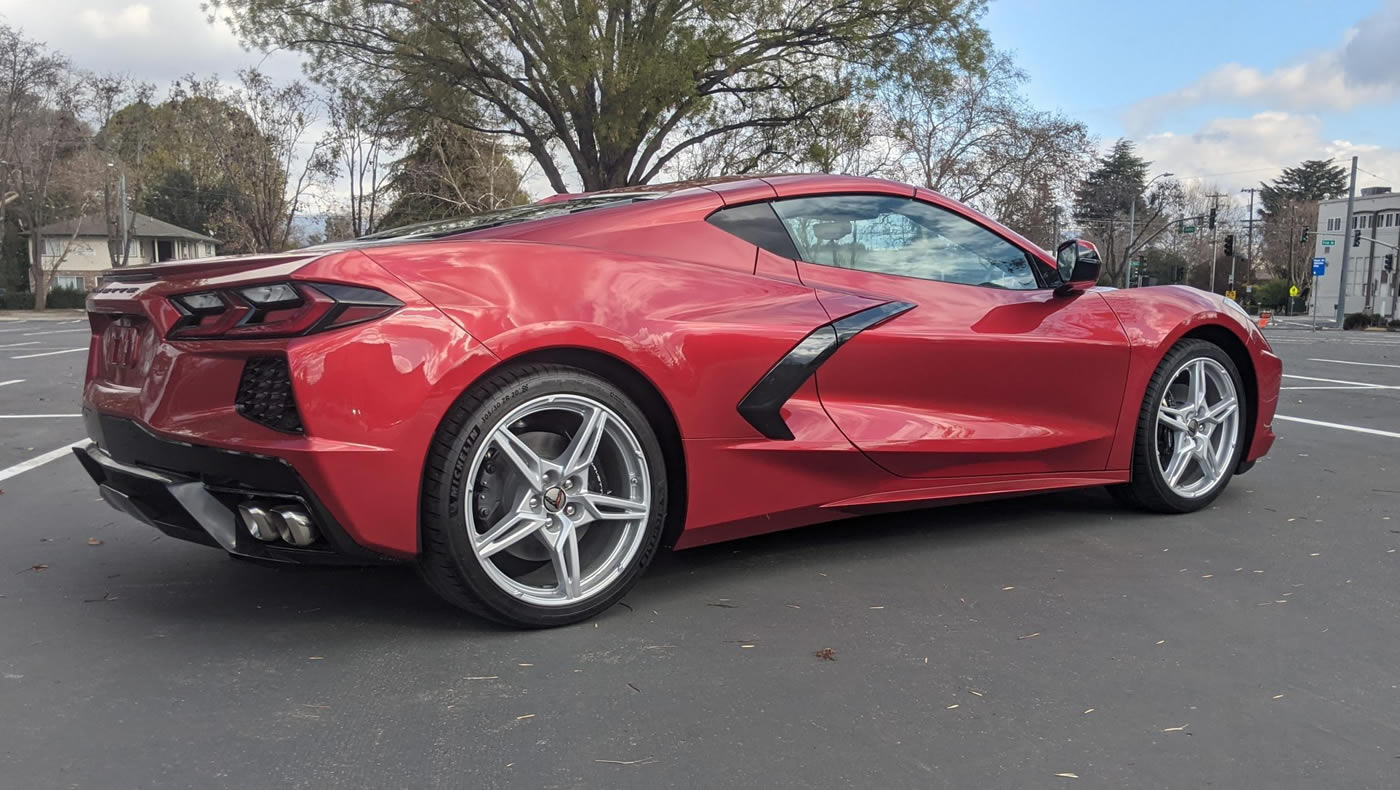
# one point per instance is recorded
(1346, 248)
(126, 224)
(1249, 237)
(1292, 243)
(1249, 229)
(1214, 250)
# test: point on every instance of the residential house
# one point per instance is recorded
(82, 245)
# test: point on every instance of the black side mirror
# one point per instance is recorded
(1078, 264)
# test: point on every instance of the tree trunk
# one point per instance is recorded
(37, 274)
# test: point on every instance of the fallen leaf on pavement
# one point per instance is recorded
(94, 542)
(826, 654)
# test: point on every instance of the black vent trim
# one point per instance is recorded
(762, 406)
(265, 394)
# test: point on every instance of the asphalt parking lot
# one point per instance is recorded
(1049, 641)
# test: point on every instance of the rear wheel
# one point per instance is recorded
(1190, 433)
(544, 499)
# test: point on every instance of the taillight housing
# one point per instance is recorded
(278, 309)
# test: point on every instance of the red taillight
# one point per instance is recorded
(282, 309)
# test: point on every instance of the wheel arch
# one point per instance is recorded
(1232, 345)
(648, 397)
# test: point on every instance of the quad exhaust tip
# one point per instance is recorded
(286, 523)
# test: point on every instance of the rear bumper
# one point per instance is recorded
(192, 492)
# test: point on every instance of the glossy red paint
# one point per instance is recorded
(975, 392)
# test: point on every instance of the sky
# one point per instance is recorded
(1223, 92)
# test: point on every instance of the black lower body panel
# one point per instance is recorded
(192, 492)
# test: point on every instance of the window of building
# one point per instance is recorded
(70, 281)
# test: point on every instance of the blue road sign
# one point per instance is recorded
(1319, 267)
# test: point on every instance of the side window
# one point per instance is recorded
(758, 225)
(894, 235)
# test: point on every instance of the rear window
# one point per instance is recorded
(506, 216)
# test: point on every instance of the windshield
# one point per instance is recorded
(437, 229)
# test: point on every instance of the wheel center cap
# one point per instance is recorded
(554, 497)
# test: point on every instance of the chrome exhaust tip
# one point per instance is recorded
(285, 523)
(294, 526)
(256, 520)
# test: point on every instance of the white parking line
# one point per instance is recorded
(1340, 427)
(37, 461)
(1332, 387)
(11, 381)
(53, 332)
(1345, 362)
(17, 345)
(50, 353)
(34, 416)
(1365, 384)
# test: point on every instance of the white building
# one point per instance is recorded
(82, 245)
(1376, 213)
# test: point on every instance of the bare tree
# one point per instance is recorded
(260, 135)
(450, 171)
(358, 139)
(977, 140)
(122, 179)
(44, 142)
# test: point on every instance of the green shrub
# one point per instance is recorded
(1361, 321)
(1394, 323)
(17, 300)
(59, 298)
(67, 298)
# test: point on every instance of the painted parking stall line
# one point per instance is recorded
(1358, 384)
(50, 353)
(39, 460)
(1348, 362)
(1339, 426)
(37, 416)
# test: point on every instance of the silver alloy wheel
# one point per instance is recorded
(559, 501)
(1198, 424)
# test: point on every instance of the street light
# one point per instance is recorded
(1132, 227)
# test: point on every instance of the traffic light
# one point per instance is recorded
(1211, 223)
(1305, 235)
(1389, 262)
(1230, 244)
(1356, 238)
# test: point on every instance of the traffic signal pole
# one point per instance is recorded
(1215, 203)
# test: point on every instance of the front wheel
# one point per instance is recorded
(1190, 434)
(544, 497)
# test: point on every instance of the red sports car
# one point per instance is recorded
(530, 403)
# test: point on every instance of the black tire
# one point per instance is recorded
(447, 561)
(1148, 489)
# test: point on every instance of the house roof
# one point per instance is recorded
(142, 227)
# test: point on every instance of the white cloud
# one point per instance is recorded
(133, 20)
(1361, 70)
(152, 40)
(1241, 152)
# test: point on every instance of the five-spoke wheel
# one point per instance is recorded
(1189, 434)
(1197, 427)
(561, 488)
(545, 497)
